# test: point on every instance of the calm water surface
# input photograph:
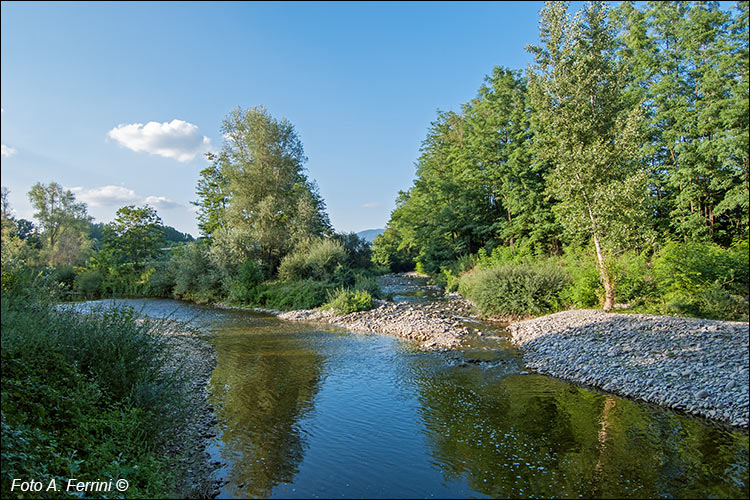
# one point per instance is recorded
(309, 411)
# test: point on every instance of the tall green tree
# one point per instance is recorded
(64, 223)
(134, 236)
(270, 204)
(584, 129)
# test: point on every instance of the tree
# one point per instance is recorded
(64, 223)
(213, 195)
(135, 235)
(269, 205)
(585, 131)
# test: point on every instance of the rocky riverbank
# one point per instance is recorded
(195, 358)
(434, 327)
(694, 365)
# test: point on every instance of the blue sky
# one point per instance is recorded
(361, 83)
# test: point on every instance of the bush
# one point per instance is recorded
(585, 287)
(317, 259)
(345, 301)
(703, 279)
(288, 295)
(514, 290)
(197, 278)
(90, 284)
(244, 286)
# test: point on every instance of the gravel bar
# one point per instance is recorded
(434, 328)
(693, 365)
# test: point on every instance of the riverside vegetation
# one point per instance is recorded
(613, 173)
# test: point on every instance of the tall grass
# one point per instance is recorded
(84, 395)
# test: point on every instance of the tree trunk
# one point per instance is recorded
(609, 286)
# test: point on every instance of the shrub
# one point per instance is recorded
(197, 278)
(244, 286)
(703, 279)
(90, 284)
(317, 259)
(633, 279)
(345, 301)
(288, 295)
(84, 395)
(514, 290)
(584, 288)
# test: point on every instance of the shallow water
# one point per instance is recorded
(310, 411)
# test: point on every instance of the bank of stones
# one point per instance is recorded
(195, 359)
(693, 365)
(435, 328)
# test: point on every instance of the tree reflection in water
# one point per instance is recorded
(262, 386)
(530, 435)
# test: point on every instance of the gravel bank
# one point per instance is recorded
(435, 327)
(196, 359)
(693, 365)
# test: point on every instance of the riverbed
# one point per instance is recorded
(310, 411)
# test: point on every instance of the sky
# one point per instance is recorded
(118, 102)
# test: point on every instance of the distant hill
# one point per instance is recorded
(370, 234)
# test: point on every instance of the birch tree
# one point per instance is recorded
(585, 131)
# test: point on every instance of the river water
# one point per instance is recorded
(310, 411)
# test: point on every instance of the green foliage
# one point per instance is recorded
(263, 195)
(703, 279)
(345, 301)
(196, 275)
(83, 395)
(64, 224)
(90, 284)
(585, 286)
(317, 259)
(244, 286)
(135, 235)
(293, 294)
(514, 290)
(359, 254)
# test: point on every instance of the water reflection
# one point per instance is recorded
(309, 412)
(264, 383)
(530, 435)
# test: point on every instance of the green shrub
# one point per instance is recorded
(632, 276)
(514, 290)
(703, 279)
(345, 301)
(368, 284)
(296, 294)
(585, 287)
(90, 284)
(244, 286)
(197, 278)
(317, 259)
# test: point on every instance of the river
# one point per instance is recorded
(314, 411)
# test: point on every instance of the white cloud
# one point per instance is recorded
(160, 202)
(118, 196)
(7, 152)
(371, 204)
(177, 139)
(104, 196)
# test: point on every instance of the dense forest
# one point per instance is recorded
(613, 170)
